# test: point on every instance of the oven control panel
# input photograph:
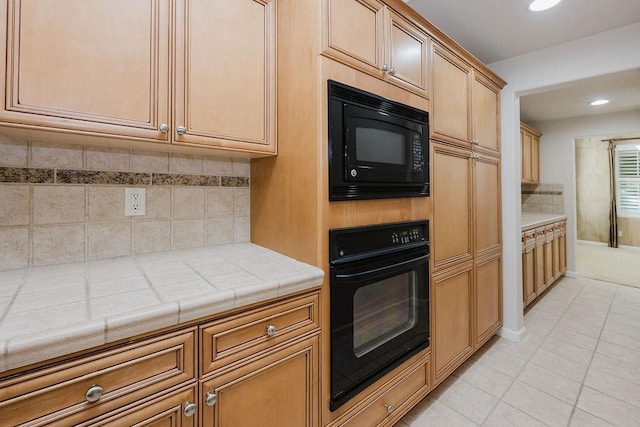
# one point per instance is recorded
(359, 241)
(407, 236)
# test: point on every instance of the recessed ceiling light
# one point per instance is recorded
(599, 102)
(539, 5)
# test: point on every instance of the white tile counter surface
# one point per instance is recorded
(51, 311)
(533, 219)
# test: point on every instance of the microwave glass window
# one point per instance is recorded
(380, 146)
(382, 311)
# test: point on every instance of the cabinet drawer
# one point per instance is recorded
(229, 339)
(49, 396)
(394, 401)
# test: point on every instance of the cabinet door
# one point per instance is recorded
(485, 97)
(225, 74)
(451, 197)
(450, 109)
(487, 298)
(540, 250)
(563, 247)
(406, 54)
(451, 320)
(525, 138)
(487, 204)
(95, 67)
(279, 389)
(353, 33)
(528, 277)
(548, 255)
(555, 251)
(535, 158)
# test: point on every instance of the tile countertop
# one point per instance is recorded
(51, 311)
(533, 219)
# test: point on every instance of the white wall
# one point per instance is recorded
(601, 54)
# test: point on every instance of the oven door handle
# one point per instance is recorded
(386, 268)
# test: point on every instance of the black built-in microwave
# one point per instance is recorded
(378, 148)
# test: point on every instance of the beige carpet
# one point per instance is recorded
(611, 265)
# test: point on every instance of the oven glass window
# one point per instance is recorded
(382, 311)
(380, 146)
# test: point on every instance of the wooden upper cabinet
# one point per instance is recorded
(450, 107)
(225, 73)
(198, 72)
(90, 66)
(406, 54)
(354, 33)
(485, 97)
(367, 35)
(466, 104)
(530, 146)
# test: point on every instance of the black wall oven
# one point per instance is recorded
(378, 148)
(379, 302)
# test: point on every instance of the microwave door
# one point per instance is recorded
(377, 151)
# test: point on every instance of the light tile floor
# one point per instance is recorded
(578, 366)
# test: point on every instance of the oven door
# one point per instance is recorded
(379, 318)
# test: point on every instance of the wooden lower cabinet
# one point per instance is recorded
(528, 267)
(540, 283)
(487, 292)
(544, 259)
(277, 389)
(58, 395)
(266, 376)
(391, 400)
(451, 326)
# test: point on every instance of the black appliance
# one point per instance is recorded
(379, 302)
(378, 148)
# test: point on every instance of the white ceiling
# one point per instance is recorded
(494, 30)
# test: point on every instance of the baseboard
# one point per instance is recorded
(572, 274)
(591, 243)
(511, 335)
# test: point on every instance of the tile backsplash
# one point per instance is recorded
(65, 203)
(542, 198)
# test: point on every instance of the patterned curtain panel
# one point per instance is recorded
(613, 212)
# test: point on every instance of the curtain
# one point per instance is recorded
(613, 212)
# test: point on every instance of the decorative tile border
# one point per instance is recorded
(546, 193)
(101, 177)
(185, 180)
(27, 175)
(71, 176)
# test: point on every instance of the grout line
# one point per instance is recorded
(591, 361)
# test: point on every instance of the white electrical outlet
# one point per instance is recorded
(134, 201)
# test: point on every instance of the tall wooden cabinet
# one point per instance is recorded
(150, 71)
(466, 196)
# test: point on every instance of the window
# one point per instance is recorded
(628, 180)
